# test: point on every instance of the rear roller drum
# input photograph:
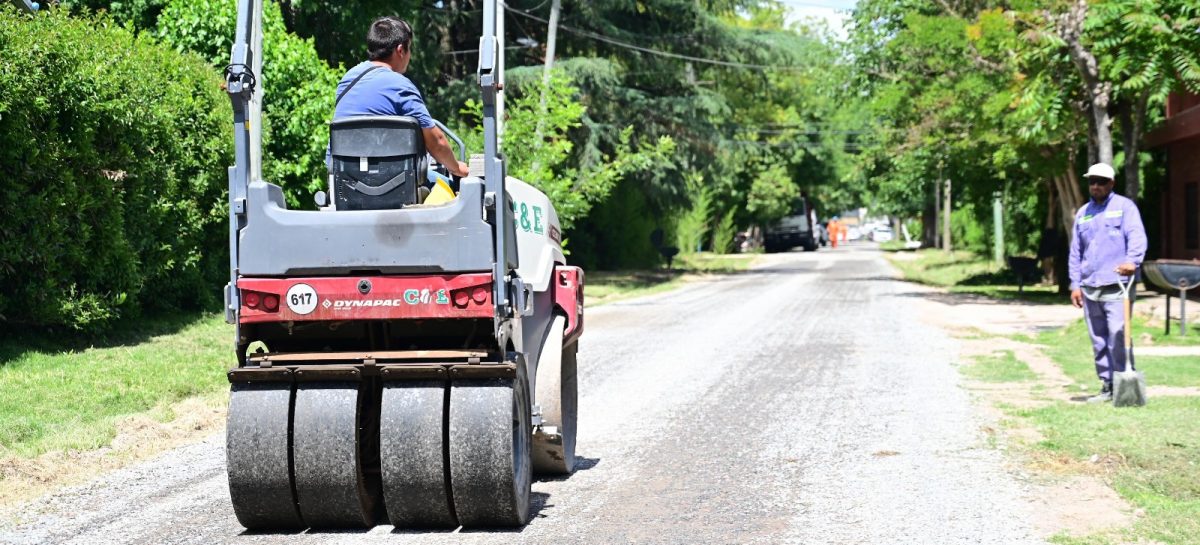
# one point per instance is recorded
(557, 394)
(490, 468)
(256, 451)
(328, 451)
(412, 450)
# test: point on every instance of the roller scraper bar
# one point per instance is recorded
(491, 86)
(243, 82)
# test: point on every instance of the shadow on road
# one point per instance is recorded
(581, 464)
(954, 299)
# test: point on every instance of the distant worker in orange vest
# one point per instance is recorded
(833, 227)
(843, 230)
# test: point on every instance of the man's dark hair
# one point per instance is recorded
(386, 34)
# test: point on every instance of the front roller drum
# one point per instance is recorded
(490, 467)
(557, 394)
(329, 440)
(256, 451)
(412, 451)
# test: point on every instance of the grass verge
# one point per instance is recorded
(608, 286)
(1002, 367)
(967, 272)
(1071, 349)
(1149, 455)
(56, 396)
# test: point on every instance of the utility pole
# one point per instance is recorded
(946, 244)
(551, 40)
(937, 210)
(998, 220)
(551, 43)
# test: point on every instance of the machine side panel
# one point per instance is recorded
(449, 238)
(539, 234)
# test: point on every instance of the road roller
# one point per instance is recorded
(396, 361)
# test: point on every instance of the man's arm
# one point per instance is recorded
(1135, 236)
(439, 147)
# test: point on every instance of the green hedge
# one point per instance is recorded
(113, 152)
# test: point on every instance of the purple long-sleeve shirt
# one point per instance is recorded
(1106, 235)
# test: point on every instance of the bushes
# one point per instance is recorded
(112, 169)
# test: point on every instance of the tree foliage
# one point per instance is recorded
(572, 189)
(1015, 97)
(298, 87)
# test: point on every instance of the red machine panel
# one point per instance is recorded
(365, 298)
(568, 296)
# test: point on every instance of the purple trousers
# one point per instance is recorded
(1106, 326)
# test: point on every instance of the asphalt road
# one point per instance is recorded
(803, 402)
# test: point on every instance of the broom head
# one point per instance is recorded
(1129, 389)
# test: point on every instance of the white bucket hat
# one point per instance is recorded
(1101, 170)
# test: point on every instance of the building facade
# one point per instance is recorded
(1180, 136)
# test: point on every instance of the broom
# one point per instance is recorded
(1129, 386)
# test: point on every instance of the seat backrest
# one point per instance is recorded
(377, 162)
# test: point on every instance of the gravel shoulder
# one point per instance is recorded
(801, 402)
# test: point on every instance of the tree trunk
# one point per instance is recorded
(1049, 229)
(1093, 151)
(1070, 28)
(1133, 124)
(1070, 199)
(929, 221)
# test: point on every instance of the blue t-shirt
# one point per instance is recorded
(382, 92)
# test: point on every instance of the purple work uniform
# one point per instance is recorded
(1106, 235)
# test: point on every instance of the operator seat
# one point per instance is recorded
(377, 162)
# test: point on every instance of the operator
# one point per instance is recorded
(384, 90)
(1109, 242)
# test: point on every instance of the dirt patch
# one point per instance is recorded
(1171, 391)
(904, 256)
(138, 437)
(961, 311)
(1078, 506)
(1166, 351)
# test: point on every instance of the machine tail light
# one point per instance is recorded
(257, 300)
(473, 296)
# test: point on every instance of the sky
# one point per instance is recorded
(835, 12)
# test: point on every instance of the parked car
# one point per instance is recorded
(882, 234)
(854, 233)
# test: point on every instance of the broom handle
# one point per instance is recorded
(1128, 340)
(1125, 289)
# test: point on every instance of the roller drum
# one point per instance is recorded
(412, 451)
(256, 449)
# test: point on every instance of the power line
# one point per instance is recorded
(626, 45)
